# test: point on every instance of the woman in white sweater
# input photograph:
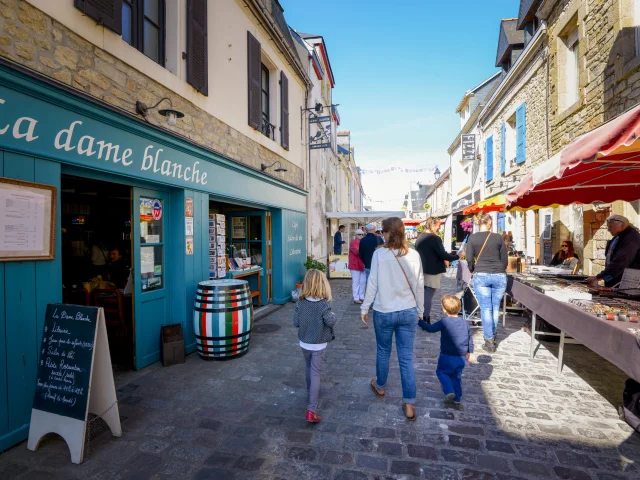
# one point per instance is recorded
(396, 290)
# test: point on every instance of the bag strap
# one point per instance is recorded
(405, 276)
(483, 245)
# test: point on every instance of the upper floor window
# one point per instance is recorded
(143, 27)
(266, 124)
(571, 68)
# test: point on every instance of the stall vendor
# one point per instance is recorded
(566, 257)
(118, 270)
(623, 251)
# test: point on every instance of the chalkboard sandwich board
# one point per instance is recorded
(74, 377)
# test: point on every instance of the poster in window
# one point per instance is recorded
(546, 233)
(188, 226)
(27, 220)
(238, 228)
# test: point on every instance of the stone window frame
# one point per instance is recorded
(574, 21)
(628, 41)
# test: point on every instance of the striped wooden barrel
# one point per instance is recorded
(223, 318)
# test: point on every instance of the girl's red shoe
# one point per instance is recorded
(313, 417)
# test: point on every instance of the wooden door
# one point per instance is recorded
(151, 273)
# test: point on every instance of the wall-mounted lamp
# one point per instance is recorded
(171, 113)
(436, 173)
(264, 167)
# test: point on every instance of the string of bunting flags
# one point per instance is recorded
(381, 171)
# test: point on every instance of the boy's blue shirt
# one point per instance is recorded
(455, 338)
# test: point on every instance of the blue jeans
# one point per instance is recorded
(403, 323)
(489, 288)
(449, 372)
(367, 272)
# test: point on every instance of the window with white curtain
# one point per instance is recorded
(572, 71)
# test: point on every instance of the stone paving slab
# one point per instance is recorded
(244, 418)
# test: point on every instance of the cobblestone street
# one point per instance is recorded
(244, 418)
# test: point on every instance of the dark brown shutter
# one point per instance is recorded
(254, 61)
(105, 12)
(284, 109)
(197, 67)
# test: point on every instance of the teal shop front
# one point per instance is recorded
(53, 136)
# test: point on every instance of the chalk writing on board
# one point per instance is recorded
(64, 367)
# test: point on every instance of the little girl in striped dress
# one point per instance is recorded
(315, 320)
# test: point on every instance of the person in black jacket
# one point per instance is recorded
(623, 251)
(367, 246)
(433, 255)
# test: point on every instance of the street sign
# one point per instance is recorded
(468, 142)
(316, 146)
(326, 118)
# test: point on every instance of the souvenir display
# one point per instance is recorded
(604, 303)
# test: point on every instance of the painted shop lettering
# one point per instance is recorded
(20, 131)
(70, 139)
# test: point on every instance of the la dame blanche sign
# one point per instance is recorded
(40, 128)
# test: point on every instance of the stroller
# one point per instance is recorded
(470, 307)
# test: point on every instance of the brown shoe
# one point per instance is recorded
(376, 390)
(409, 411)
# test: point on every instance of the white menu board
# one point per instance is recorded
(27, 220)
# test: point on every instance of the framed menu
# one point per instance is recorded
(27, 220)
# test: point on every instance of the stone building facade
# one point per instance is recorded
(32, 38)
(517, 108)
(608, 84)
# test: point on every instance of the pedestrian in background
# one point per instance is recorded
(356, 265)
(367, 246)
(315, 320)
(337, 241)
(456, 346)
(433, 255)
(395, 288)
(487, 258)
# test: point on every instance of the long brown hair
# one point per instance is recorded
(570, 250)
(395, 228)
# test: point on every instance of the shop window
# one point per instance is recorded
(151, 244)
(143, 27)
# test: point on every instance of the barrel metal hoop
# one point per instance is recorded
(209, 339)
(217, 287)
(234, 346)
(232, 300)
(221, 310)
(226, 293)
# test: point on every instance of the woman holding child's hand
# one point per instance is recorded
(396, 290)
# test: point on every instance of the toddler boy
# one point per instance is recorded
(455, 345)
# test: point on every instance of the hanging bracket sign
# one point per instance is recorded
(74, 378)
(315, 146)
(326, 118)
(468, 142)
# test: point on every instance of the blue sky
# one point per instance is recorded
(401, 68)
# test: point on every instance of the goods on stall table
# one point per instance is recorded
(610, 309)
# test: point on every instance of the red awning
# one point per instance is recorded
(602, 165)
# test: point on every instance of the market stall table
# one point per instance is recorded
(610, 339)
